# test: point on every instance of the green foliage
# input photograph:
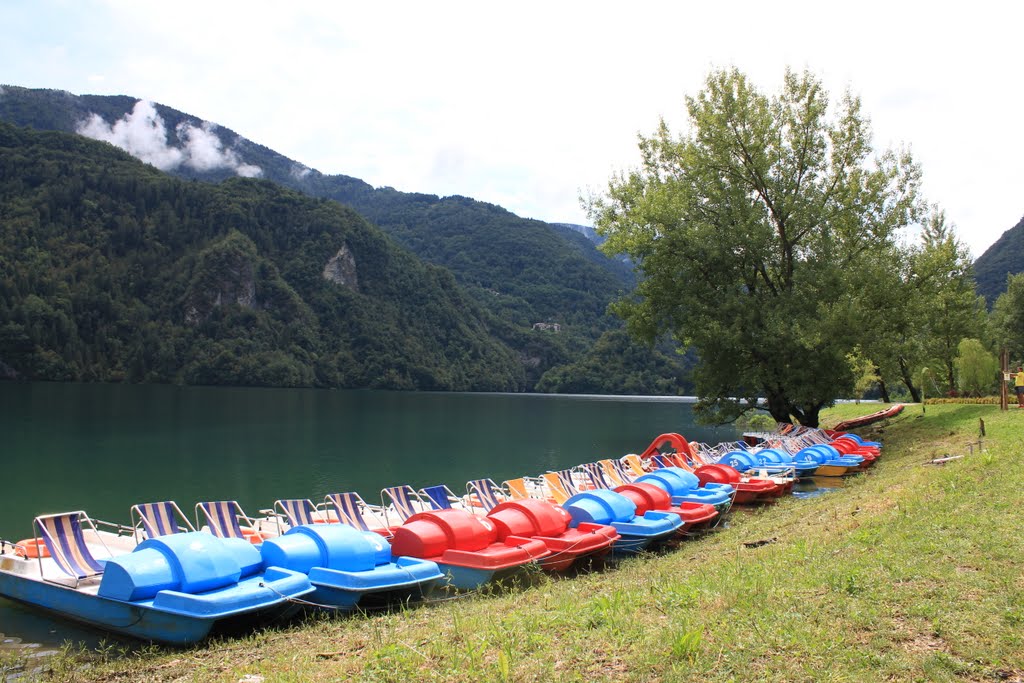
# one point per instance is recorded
(865, 373)
(617, 364)
(1008, 317)
(977, 370)
(751, 231)
(112, 271)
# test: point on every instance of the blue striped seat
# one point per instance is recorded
(299, 511)
(352, 510)
(222, 518)
(565, 476)
(404, 501)
(596, 475)
(160, 519)
(487, 492)
(62, 534)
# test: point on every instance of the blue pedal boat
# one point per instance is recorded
(350, 568)
(174, 589)
(636, 533)
(683, 485)
(770, 461)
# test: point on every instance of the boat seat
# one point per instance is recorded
(62, 534)
(404, 501)
(222, 518)
(556, 487)
(486, 492)
(595, 475)
(440, 497)
(516, 488)
(159, 519)
(297, 512)
(353, 510)
(613, 472)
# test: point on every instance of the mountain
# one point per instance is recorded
(524, 271)
(1005, 257)
(113, 271)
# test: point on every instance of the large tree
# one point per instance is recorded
(953, 310)
(923, 304)
(748, 231)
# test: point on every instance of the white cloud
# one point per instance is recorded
(143, 134)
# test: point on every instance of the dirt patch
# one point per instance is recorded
(917, 641)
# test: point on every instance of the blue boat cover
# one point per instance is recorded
(685, 486)
(608, 507)
(191, 562)
(331, 546)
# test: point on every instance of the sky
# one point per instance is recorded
(533, 105)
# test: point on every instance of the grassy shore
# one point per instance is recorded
(911, 572)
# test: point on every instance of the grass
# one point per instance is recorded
(911, 572)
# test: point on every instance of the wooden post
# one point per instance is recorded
(1004, 362)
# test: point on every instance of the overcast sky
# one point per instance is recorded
(529, 104)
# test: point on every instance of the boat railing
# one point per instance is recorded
(15, 548)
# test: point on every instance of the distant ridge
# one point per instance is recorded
(1005, 257)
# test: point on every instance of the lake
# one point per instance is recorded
(102, 448)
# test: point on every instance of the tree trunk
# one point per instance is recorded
(884, 391)
(915, 393)
(778, 407)
(950, 378)
(809, 416)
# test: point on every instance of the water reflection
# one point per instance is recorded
(812, 487)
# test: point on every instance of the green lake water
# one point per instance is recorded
(103, 448)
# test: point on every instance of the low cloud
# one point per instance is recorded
(143, 134)
(299, 171)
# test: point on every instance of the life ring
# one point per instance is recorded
(31, 547)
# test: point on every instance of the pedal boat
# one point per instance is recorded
(768, 463)
(830, 462)
(637, 532)
(552, 524)
(174, 590)
(350, 568)
(685, 486)
(745, 489)
(696, 517)
(465, 547)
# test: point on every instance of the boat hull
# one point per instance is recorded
(141, 620)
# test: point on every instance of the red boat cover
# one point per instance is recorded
(458, 537)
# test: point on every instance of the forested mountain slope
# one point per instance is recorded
(526, 271)
(111, 270)
(1004, 257)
